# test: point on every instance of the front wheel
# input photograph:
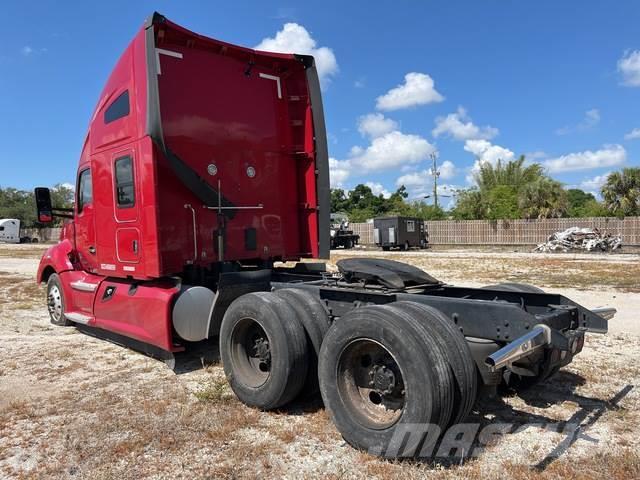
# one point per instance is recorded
(55, 302)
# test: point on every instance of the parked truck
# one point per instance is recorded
(10, 232)
(205, 165)
(340, 234)
(399, 232)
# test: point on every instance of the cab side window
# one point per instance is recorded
(119, 108)
(85, 190)
(125, 190)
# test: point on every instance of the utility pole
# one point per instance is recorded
(436, 173)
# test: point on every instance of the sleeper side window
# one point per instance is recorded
(125, 191)
(85, 190)
(411, 226)
(119, 108)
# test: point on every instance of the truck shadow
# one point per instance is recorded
(197, 356)
(559, 389)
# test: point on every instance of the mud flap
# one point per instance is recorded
(233, 285)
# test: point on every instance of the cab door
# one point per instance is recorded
(85, 236)
(126, 209)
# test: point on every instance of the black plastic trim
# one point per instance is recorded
(322, 156)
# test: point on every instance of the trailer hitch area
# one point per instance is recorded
(540, 336)
(605, 312)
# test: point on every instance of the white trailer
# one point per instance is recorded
(9, 230)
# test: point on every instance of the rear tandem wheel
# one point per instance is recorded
(264, 350)
(380, 368)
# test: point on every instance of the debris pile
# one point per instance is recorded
(575, 238)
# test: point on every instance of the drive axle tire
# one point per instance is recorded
(378, 369)
(263, 347)
(55, 302)
(456, 352)
(315, 320)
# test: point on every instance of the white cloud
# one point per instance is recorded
(629, 68)
(294, 38)
(375, 125)
(633, 134)
(417, 89)
(26, 50)
(414, 179)
(447, 194)
(485, 152)
(459, 126)
(68, 185)
(378, 189)
(425, 177)
(391, 150)
(590, 120)
(594, 184)
(608, 156)
(339, 172)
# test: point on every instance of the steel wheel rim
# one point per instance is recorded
(54, 303)
(250, 353)
(371, 384)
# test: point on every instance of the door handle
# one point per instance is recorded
(92, 250)
(135, 246)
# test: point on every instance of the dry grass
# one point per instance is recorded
(72, 406)
(537, 270)
(22, 251)
(19, 292)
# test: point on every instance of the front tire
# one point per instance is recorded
(55, 302)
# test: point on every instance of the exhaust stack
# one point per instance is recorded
(528, 343)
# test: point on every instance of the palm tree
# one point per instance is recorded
(621, 192)
(513, 173)
(544, 198)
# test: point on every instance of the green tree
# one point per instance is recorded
(339, 201)
(621, 192)
(469, 205)
(501, 202)
(513, 173)
(18, 204)
(577, 200)
(593, 208)
(543, 198)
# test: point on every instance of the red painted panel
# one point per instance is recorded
(128, 246)
(142, 312)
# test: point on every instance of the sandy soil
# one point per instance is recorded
(73, 406)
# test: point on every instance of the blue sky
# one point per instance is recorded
(472, 80)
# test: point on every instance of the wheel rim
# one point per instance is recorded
(250, 353)
(54, 303)
(371, 384)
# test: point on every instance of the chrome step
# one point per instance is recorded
(77, 317)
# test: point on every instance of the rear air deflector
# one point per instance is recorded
(322, 155)
(189, 178)
(384, 272)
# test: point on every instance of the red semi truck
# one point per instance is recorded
(204, 165)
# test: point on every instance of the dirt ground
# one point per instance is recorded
(73, 406)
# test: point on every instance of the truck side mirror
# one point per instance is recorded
(43, 205)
